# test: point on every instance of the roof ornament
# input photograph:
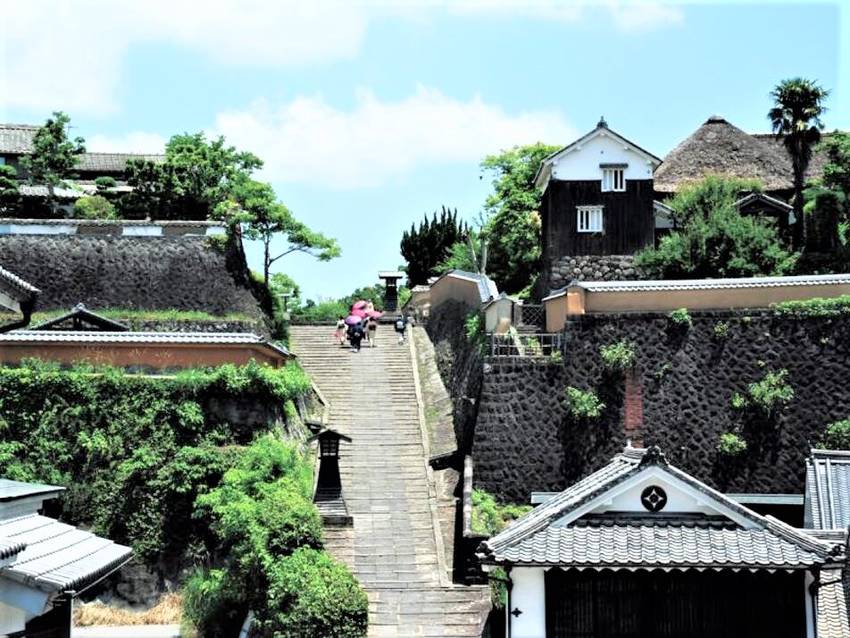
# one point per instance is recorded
(602, 122)
(653, 456)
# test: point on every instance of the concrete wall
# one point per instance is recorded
(457, 289)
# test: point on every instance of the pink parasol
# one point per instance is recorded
(352, 320)
(374, 314)
(360, 304)
(358, 312)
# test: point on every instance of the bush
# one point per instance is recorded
(817, 307)
(489, 517)
(105, 182)
(94, 207)
(731, 444)
(714, 239)
(721, 330)
(212, 600)
(681, 318)
(769, 394)
(583, 404)
(837, 436)
(310, 594)
(473, 326)
(618, 356)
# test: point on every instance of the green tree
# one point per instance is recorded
(714, 239)
(512, 229)
(254, 206)
(54, 156)
(10, 196)
(429, 244)
(195, 177)
(795, 117)
(463, 255)
(836, 171)
(94, 207)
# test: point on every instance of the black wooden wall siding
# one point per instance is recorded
(628, 219)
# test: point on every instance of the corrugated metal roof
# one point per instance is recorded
(57, 556)
(827, 490)
(711, 284)
(13, 490)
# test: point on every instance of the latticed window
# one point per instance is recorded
(589, 219)
(613, 179)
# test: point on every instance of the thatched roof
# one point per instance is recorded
(719, 148)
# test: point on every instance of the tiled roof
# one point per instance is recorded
(486, 286)
(87, 337)
(10, 279)
(13, 490)
(9, 548)
(713, 284)
(83, 314)
(57, 556)
(665, 544)
(17, 138)
(832, 613)
(673, 541)
(827, 490)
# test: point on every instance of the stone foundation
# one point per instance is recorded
(592, 268)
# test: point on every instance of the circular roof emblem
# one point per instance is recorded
(654, 498)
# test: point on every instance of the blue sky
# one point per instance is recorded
(369, 115)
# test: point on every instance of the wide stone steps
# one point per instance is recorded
(392, 547)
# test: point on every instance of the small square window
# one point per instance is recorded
(613, 179)
(589, 219)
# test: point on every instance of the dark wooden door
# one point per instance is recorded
(607, 604)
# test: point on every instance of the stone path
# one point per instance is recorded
(395, 547)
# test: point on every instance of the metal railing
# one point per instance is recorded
(528, 315)
(515, 344)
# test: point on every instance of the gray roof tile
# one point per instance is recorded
(57, 556)
(713, 284)
(13, 490)
(832, 599)
(11, 280)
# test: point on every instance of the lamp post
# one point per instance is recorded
(390, 279)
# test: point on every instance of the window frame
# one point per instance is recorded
(610, 178)
(587, 215)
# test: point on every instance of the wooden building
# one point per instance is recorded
(642, 549)
(597, 198)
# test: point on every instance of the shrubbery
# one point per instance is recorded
(94, 207)
(837, 436)
(817, 307)
(731, 444)
(769, 394)
(265, 522)
(583, 404)
(618, 356)
(681, 318)
(489, 516)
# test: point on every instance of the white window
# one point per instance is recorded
(589, 219)
(613, 179)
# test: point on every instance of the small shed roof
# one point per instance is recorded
(487, 289)
(81, 315)
(14, 490)
(827, 504)
(58, 557)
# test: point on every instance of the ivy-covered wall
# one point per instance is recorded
(525, 440)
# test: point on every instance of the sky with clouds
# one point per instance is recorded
(370, 114)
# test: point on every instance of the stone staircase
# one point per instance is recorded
(395, 547)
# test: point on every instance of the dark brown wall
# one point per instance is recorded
(628, 219)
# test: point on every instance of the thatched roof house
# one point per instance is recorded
(720, 148)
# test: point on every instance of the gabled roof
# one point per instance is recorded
(764, 199)
(79, 316)
(544, 171)
(720, 148)
(13, 490)
(564, 531)
(827, 490)
(58, 557)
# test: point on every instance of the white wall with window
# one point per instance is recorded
(589, 219)
(614, 179)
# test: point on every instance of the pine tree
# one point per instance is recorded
(425, 247)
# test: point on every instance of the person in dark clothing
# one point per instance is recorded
(400, 327)
(355, 336)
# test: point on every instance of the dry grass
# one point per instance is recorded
(165, 612)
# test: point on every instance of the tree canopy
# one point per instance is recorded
(54, 155)
(429, 244)
(512, 227)
(795, 117)
(713, 239)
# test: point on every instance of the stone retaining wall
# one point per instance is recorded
(592, 268)
(523, 440)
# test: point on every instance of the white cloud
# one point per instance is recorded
(307, 140)
(68, 55)
(135, 142)
(644, 16)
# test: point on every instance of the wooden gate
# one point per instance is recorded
(622, 604)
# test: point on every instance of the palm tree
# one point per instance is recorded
(795, 118)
